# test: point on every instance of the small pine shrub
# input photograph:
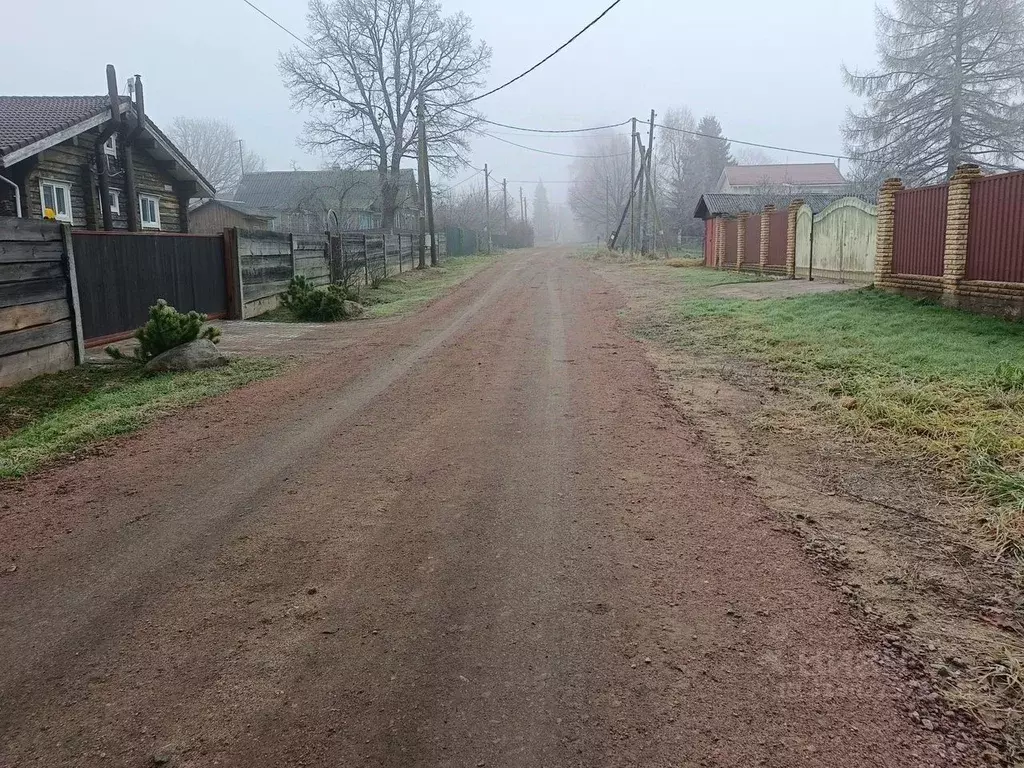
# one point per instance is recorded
(316, 304)
(166, 329)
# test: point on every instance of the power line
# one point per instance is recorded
(464, 181)
(278, 24)
(555, 154)
(544, 130)
(540, 63)
(755, 144)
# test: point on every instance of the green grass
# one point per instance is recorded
(56, 414)
(939, 382)
(409, 290)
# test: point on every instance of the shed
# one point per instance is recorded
(214, 216)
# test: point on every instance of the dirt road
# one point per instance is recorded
(477, 536)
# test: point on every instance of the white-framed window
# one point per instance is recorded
(110, 146)
(115, 200)
(56, 196)
(149, 208)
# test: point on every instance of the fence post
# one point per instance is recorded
(233, 268)
(766, 230)
(886, 230)
(741, 240)
(794, 207)
(719, 242)
(958, 220)
(76, 306)
(366, 262)
(291, 246)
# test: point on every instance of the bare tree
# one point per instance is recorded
(213, 147)
(949, 88)
(678, 172)
(600, 184)
(368, 64)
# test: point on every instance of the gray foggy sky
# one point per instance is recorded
(769, 72)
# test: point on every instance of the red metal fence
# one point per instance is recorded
(919, 239)
(709, 242)
(731, 227)
(752, 247)
(777, 238)
(995, 245)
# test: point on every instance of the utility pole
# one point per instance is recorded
(641, 195)
(650, 185)
(241, 157)
(522, 205)
(607, 209)
(426, 184)
(422, 155)
(487, 205)
(632, 210)
(504, 204)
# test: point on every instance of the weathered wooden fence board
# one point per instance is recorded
(844, 241)
(37, 300)
(267, 264)
(120, 276)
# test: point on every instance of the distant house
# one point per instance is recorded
(801, 177)
(302, 201)
(212, 217)
(54, 149)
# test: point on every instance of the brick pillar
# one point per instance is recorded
(741, 239)
(794, 206)
(766, 227)
(719, 242)
(958, 216)
(886, 228)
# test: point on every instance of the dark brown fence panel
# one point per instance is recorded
(919, 239)
(752, 246)
(731, 246)
(38, 333)
(995, 245)
(121, 275)
(778, 238)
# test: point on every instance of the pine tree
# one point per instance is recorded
(712, 154)
(543, 221)
(949, 89)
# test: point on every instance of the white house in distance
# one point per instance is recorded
(801, 177)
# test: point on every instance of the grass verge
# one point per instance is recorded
(940, 383)
(54, 415)
(409, 290)
(405, 291)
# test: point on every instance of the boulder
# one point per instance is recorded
(353, 309)
(201, 353)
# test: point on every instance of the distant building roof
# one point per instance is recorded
(721, 204)
(235, 205)
(353, 190)
(31, 124)
(798, 174)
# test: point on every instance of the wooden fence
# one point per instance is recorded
(838, 243)
(40, 328)
(122, 274)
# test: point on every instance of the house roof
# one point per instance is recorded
(799, 174)
(714, 204)
(234, 205)
(354, 190)
(27, 119)
(31, 124)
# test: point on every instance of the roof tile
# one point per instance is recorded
(26, 119)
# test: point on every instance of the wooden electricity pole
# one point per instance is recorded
(632, 210)
(422, 154)
(522, 205)
(487, 205)
(504, 204)
(641, 194)
(426, 184)
(650, 187)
